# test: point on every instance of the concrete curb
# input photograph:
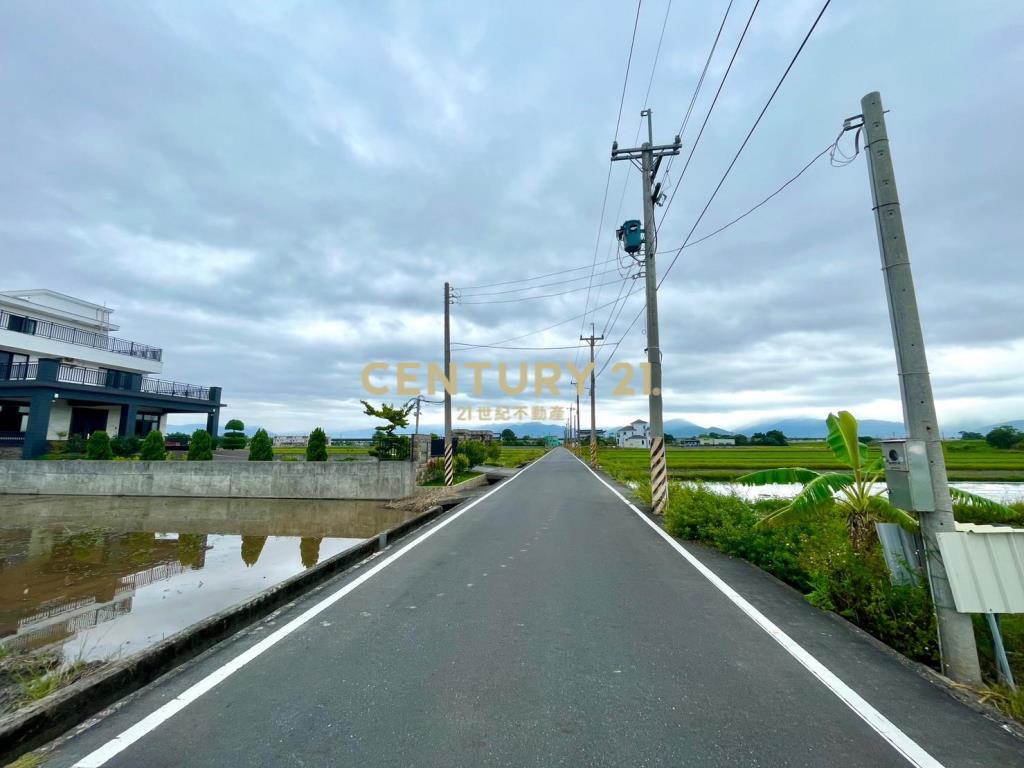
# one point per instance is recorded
(966, 696)
(50, 717)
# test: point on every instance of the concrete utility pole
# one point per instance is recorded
(449, 463)
(593, 403)
(650, 157)
(956, 634)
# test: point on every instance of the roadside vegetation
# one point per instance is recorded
(823, 543)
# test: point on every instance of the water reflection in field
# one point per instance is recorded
(100, 577)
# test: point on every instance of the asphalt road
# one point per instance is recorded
(548, 624)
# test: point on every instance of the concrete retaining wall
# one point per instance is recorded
(221, 479)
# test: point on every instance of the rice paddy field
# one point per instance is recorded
(965, 460)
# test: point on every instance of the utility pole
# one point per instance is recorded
(449, 463)
(576, 384)
(593, 402)
(650, 157)
(957, 647)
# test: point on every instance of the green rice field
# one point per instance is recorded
(965, 460)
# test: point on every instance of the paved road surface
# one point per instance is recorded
(548, 624)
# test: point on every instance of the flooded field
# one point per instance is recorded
(95, 578)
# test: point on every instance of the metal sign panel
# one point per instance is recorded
(985, 565)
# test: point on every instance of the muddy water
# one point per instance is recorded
(101, 577)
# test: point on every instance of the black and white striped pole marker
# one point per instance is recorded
(449, 464)
(659, 476)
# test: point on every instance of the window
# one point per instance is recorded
(146, 423)
(21, 324)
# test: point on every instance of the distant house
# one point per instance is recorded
(705, 440)
(636, 434)
(689, 442)
(291, 441)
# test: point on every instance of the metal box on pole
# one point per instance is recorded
(908, 475)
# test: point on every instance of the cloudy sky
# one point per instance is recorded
(275, 193)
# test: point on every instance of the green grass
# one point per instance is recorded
(461, 477)
(342, 450)
(514, 455)
(965, 460)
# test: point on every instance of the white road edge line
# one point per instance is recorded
(913, 752)
(152, 721)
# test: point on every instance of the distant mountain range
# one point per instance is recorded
(793, 427)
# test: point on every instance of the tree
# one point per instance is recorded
(234, 436)
(386, 444)
(1004, 437)
(153, 448)
(98, 447)
(125, 445)
(856, 493)
(316, 446)
(508, 437)
(493, 453)
(775, 437)
(260, 447)
(741, 439)
(670, 439)
(200, 447)
(971, 435)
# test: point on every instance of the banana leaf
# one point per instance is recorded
(843, 440)
(815, 494)
(979, 502)
(776, 476)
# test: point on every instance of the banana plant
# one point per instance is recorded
(856, 492)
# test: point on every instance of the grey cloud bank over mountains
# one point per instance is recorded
(275, 194)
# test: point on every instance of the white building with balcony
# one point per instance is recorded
(62, 372)
(636, 434)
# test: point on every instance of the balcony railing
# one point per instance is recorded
(50, 330)
(18, 371)
(175, 389)
(102, 377)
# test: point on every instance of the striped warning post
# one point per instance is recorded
(593, 453)
(449, 465)
(659, 476)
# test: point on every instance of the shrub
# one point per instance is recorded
(125, 445)
(98, 446)
(813, 553)
(76, 444)
(461, 463)
(316, 446)
(234, 437)
(474, 451)
(153, 448)
(200, 446)
(260, 447)
(434, 470)
(493, 453)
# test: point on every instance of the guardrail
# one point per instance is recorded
(49, 330)
(175, 389)
(18, 371)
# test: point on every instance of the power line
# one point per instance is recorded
(725, 175)
(539, 330)
(491, 346)
(537, 277)
(460, 295)
(746, 139)
(629, 61)
(700, 81)
(625, 182)
(714, 101)
(531, 298)
(608, 178)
